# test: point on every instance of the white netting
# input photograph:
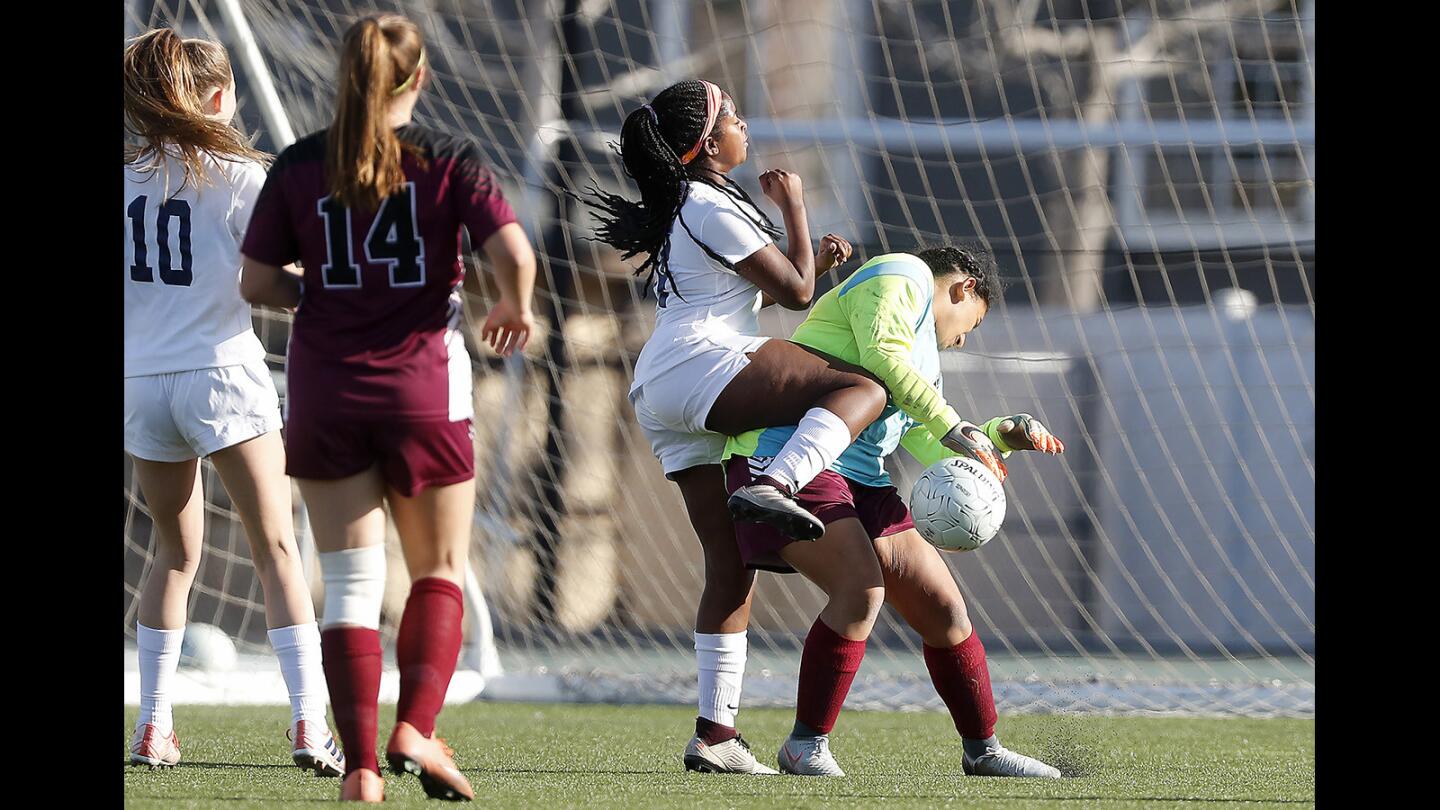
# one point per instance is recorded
(1143, 170)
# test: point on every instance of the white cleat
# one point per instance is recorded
(809, 756)
(149, 747)
(316, 749)
(1004, 762)
(760, 503)
(731, 756)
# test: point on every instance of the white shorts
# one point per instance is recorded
(191, 414)
(672, 406)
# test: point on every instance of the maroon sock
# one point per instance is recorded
(426, 650)
(827, 668)
(712, 733)
(963, 681)
(351, 659)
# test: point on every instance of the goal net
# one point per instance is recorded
(1145, 173)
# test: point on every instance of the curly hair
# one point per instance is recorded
(972, 259)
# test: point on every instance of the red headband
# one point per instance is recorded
(712, 110)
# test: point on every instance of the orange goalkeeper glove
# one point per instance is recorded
(1022, 432)
(970, 440)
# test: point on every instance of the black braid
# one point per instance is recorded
(650, 148)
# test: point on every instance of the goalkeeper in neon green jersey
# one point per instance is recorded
(891, 317)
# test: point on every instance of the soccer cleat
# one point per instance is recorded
(731, 756)
(809, 756)
(762, 503)
(147, 747)
(429, 758)
(363, 785)
(316, 749)
(1004, 762)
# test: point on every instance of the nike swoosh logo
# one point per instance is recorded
(733, 708)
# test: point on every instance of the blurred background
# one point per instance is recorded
(1145, 174)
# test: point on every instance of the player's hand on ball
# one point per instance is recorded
(1022, 432)
(507, 328)
(834, 251)
(970, 440)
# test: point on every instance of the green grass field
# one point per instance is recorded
(552, 755)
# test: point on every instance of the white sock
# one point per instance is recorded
(721, 660)
(818, 440)
(298, 649)
(354, 586)
(159, 656)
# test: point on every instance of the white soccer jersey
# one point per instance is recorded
(183, 309)
(707, 300)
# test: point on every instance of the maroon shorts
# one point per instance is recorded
(830, 497)
(411, 455)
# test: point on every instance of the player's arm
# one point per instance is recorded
(268, 285)
(268, 245)
(882, 312)
(786, 278)
(510, 321)
(479, 203)
(922, 446)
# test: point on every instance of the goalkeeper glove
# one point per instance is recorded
(1021, 432)
(970, 440)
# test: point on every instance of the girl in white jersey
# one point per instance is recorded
(196, 384)
(706, 373)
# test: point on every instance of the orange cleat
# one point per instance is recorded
(362, 785)
(429, 758)
(147, 747)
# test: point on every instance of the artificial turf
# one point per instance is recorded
(565, 755)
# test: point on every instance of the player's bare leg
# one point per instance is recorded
(347, 517)
(253, 473)
(176, 501)
(843, 565)
(434, 527)
(919, 585)
(829, 401)
(721, 622)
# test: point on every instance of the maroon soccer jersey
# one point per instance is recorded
(375, 334)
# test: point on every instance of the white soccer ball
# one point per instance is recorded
(207, 647)
(958, 504)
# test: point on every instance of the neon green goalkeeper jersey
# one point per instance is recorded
(880, 319)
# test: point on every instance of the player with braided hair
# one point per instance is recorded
(705, 372)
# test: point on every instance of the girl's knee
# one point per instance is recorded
(860, 606)
(270, 555)
(180, 555)
(874, 599)
(954, 628)
(960, 628)
(875, 395)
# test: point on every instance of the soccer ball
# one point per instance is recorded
(958, 504)
(208, 648)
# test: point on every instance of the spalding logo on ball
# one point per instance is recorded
(958, 505)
